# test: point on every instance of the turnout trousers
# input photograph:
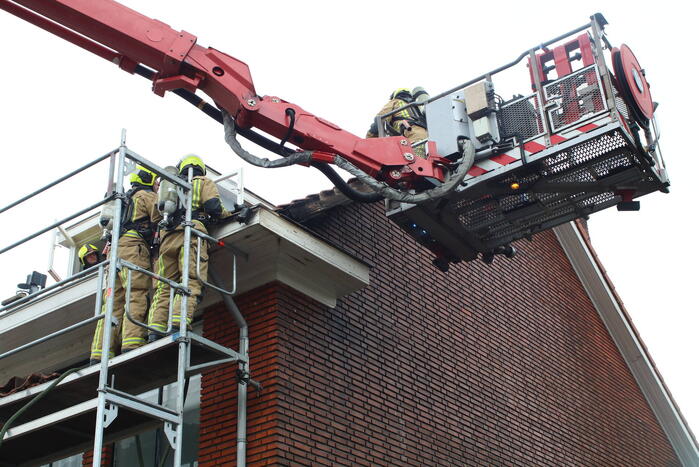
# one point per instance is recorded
(170, 265)
(415, 134)
(125, 334)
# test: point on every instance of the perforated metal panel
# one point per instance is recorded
(576, 97)
(620, 104)
(565, 182)
(498, 218)
(586, 151)
(521, 117)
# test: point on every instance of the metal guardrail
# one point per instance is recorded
(379, 118)
(547, 124)
(127, 305)
(58, 223)
(202, 235)
(96, 268)
(51, 336)
(56, 182)
(117, 168)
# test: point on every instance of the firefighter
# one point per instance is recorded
(140, 218)
(89, 255)
(206, 209)
(409, 122)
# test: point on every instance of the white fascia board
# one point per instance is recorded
(302, 239)
(295, 257)
(628, 343)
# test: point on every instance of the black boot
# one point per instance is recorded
(152, 337)
(94, 361)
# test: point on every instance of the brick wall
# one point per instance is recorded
(503, 365)
(107, 456)
(217, 435)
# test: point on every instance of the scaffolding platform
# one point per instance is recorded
(62, 423)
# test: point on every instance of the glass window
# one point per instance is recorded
(73, 461)
(151, 448)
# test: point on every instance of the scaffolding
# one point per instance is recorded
(56, 416)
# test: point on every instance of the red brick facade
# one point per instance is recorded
(504, 365)
(107, 456)
(217, 435)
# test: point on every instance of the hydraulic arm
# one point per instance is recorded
(495, 171)
(175, 62)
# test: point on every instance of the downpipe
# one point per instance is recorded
(243, 346)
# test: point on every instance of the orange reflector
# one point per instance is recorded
(514, 186)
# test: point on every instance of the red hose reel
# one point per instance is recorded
(632, 84)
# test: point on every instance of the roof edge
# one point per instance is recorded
(578, 248)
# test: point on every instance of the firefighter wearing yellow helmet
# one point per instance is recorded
(206, 209)
(140, 218)
(89, 255)
(409, 123)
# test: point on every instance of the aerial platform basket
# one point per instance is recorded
(592, 144)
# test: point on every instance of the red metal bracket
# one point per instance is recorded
(161, 85)
(562, 59)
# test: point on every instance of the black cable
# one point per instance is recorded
(291, 113)
(266, 143)
(343, 187)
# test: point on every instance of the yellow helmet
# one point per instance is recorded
(143, 176)
(191, 160)
(400, 91)
(85, 250)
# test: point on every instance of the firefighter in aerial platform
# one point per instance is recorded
(206, 210)
(140, 219)
(410, 122)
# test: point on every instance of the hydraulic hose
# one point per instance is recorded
(264, 142)
(380, 188)
(386, 191)
(34, 400)
(344, 188)
(303, 157)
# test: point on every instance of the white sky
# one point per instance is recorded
(63, 107)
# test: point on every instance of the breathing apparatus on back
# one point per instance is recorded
(141, 178)
(168, 199)
(420, 96)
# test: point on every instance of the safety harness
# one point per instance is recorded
(200, 212)
(412, 116)
(137, 228)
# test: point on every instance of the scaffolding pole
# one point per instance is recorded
(100, 422)
(182, 351)
(109, 399)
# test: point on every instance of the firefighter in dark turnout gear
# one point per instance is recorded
(410, 122)
(139, 225)
(206, 209)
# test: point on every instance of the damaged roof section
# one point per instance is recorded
(302, 210)
(16, 383)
